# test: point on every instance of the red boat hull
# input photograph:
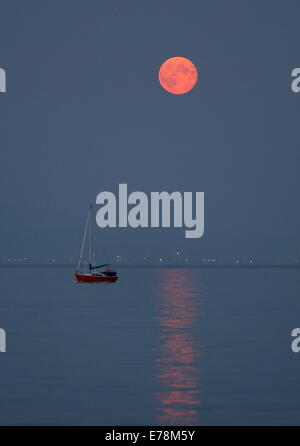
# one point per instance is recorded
(93, 279)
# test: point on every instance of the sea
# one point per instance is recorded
(164, 346)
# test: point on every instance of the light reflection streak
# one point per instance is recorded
(177, 356)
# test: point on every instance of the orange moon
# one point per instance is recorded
(178, 75)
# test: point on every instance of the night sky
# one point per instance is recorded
(84, 112)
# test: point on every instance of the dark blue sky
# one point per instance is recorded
(84, 112)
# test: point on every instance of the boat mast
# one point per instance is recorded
(84, 237)
(90, 235)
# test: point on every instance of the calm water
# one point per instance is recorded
(162, 346)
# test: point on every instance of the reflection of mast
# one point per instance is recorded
(177, 369)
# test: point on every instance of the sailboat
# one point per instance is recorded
(92, 274)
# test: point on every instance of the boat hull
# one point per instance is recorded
(89, 278)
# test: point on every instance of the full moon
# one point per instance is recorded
(178, 75)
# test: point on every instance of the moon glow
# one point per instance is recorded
(178, 75)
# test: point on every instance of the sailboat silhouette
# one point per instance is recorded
(92, 275)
